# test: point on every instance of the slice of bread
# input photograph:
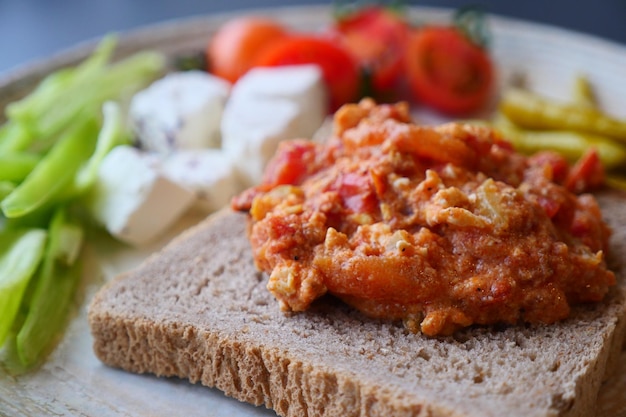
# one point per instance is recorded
(199, 310)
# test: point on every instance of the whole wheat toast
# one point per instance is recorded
(199, 310)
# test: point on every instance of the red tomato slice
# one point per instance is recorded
(340, 72)
(376, 37)
(234, 48)
(447, 71)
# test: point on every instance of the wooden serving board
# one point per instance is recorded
(74, 382)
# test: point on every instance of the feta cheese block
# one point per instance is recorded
(252, 131)
(133, 200)
(301, 84)
(209, 173)
(179, 111)
(267, 106)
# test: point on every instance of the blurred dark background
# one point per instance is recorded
(33, 29)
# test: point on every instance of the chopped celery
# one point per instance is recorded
(70, 243)
(51, 298)
(121, 79)
(14, 137)
(20, 254)
(53, 89)
(109, 82)
(6, 187)
(52, 176)
(15, 166)
(51, 148)
(113, 133)
(39, 218)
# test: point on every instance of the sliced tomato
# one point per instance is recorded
(447, 71)
(235, 46)
(376, 36)
(339, 69)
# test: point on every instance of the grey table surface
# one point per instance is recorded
(30, 30)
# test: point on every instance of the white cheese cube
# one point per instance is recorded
(209, 173)
(180, 111)
(133, 200)
(266, 106)
(301, 84)
(252, 131)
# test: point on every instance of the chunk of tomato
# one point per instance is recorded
(292, 163)
(376, 37)
(447, 71)
(587, 174)
(357, 192)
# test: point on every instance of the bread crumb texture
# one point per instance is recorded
(199, 310)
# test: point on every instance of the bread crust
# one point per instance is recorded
(199, 310)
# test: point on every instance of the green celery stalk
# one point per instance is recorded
(51, 298)
(87, 94)
(118, 80)
(112, 133)
(20, 255)
(53, 89)
(6, 188)
(14, 137)
(55, 173)
(15, 166)
(70, 243)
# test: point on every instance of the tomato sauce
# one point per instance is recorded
(442, 227)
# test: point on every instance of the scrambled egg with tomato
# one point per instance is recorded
(441, 227)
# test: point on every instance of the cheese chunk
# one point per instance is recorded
(133, 200)
(301, 84)
(266, 106)
(180, 111)
(252, 132)
(209, 173)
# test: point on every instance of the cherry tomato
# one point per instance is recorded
(339, 69)
(447, 71)
(376, 37)
(234, 48)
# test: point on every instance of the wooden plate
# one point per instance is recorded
(74, 382)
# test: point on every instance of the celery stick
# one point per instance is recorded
(53, 89)
(118, 80)
(55, 173)
(87, 94)
(20, 254)
(70, 243)
(6, 188)
(50, 302)
(112, 133)
(15, 166)
(39, 219)
(14, 137)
